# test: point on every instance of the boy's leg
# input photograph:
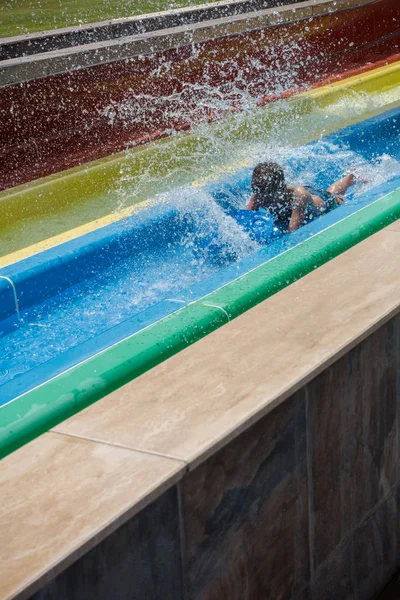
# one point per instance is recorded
(339, 188)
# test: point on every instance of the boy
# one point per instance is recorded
(293, 206)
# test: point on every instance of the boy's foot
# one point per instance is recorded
(355, 178)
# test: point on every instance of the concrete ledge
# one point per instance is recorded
(395, 226)
(27, 68)
(91, 490)
(291, 338)
(36, 43)
(283, 431)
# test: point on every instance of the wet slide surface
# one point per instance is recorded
(109, 106)
(90, 293)
(55, 206)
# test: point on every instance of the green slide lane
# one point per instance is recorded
(18, 17)
(42, 408)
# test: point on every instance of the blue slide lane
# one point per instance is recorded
(61, 275)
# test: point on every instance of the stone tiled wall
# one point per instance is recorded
(245, 513)
(302, 505)
(353, 432)
(140, 560)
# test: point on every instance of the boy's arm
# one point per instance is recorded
(251, 205)
(301, 199)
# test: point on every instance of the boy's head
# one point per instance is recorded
(267, 184)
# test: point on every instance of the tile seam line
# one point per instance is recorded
(398, 403)
(310, 485)
(169, 457)
(261, 412)
(346, 539)
(183, 544)
(33, 586)
(275, 401)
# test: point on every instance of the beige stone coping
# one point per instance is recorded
(60, 496)
(99, 468)
(395, 226)
(17, 70)
(194, 403)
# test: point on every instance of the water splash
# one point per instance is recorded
(214, 150)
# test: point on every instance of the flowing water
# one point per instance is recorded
(132, 285)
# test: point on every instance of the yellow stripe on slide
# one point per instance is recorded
(70, 234)
(370, 80)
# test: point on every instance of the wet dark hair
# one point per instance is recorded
(268, 179)
(270, 192)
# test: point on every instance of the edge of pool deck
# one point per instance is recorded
(130, 450)
(36, 411)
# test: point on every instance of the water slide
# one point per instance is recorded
(109, 267)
